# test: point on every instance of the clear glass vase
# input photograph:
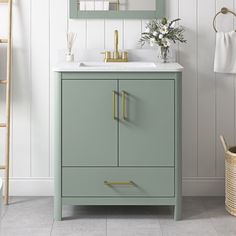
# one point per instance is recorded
(164, 54)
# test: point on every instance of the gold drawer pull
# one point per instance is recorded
(123, 105)
(108, 183)
(114, 105)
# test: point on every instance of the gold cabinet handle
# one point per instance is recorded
(108, 183)
(114, 105)
(123, 105)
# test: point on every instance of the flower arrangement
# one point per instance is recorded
(162, 32)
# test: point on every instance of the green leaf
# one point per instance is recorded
(164, 21)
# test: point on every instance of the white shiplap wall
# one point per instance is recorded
(209, 101)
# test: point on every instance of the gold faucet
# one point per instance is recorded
(117, 56)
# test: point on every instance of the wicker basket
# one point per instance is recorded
(230, 177)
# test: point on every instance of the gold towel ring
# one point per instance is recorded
(224, 11)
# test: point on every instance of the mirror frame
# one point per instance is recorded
(77, 14)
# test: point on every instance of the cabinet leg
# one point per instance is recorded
(57, 211)
(177, 212)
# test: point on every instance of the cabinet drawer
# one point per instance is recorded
(117, 182)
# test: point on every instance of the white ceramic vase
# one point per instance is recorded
(69, 57)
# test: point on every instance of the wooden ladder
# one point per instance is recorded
(7, 84)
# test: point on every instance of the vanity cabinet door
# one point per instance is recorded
(89, 132)
(146, 128)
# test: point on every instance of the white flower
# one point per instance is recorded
(147, 30)
(155, 33)
(165, 42)
(164, 29)
(160, 36)
(172, 25)
(152, 42)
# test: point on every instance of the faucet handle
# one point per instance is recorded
(107, 54)
(124, 56)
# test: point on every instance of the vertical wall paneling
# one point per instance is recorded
(21, 89)
(172, 9)
(3, 33)
(132, 34)
(79, 27)
(224, 94)
(172, 12)
(206, 90)
(3, 16)
(188, 58)
(40, 88)
(58, 30)
(95, 34)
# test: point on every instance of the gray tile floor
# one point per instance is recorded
(34, 217)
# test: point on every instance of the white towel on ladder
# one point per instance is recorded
(225, 52)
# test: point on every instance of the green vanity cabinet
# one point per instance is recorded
(117, 139)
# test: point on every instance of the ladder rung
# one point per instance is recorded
(3, 40)
(3, 81)
(3, 125)
(2, 167)
(3, 1)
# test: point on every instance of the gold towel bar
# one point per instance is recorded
(224, 11)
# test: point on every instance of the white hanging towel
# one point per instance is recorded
(225, 52)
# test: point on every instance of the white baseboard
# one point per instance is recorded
(44, 186)
(199, 186)
(31, 187)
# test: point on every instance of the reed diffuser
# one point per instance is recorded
(70, 43)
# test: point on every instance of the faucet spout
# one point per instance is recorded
(116, 42)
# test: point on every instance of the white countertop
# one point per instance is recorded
(115, 67)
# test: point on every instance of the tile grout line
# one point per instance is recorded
(4, 214)
(161, 228)
(52, 227)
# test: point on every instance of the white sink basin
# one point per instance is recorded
(122, 65)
